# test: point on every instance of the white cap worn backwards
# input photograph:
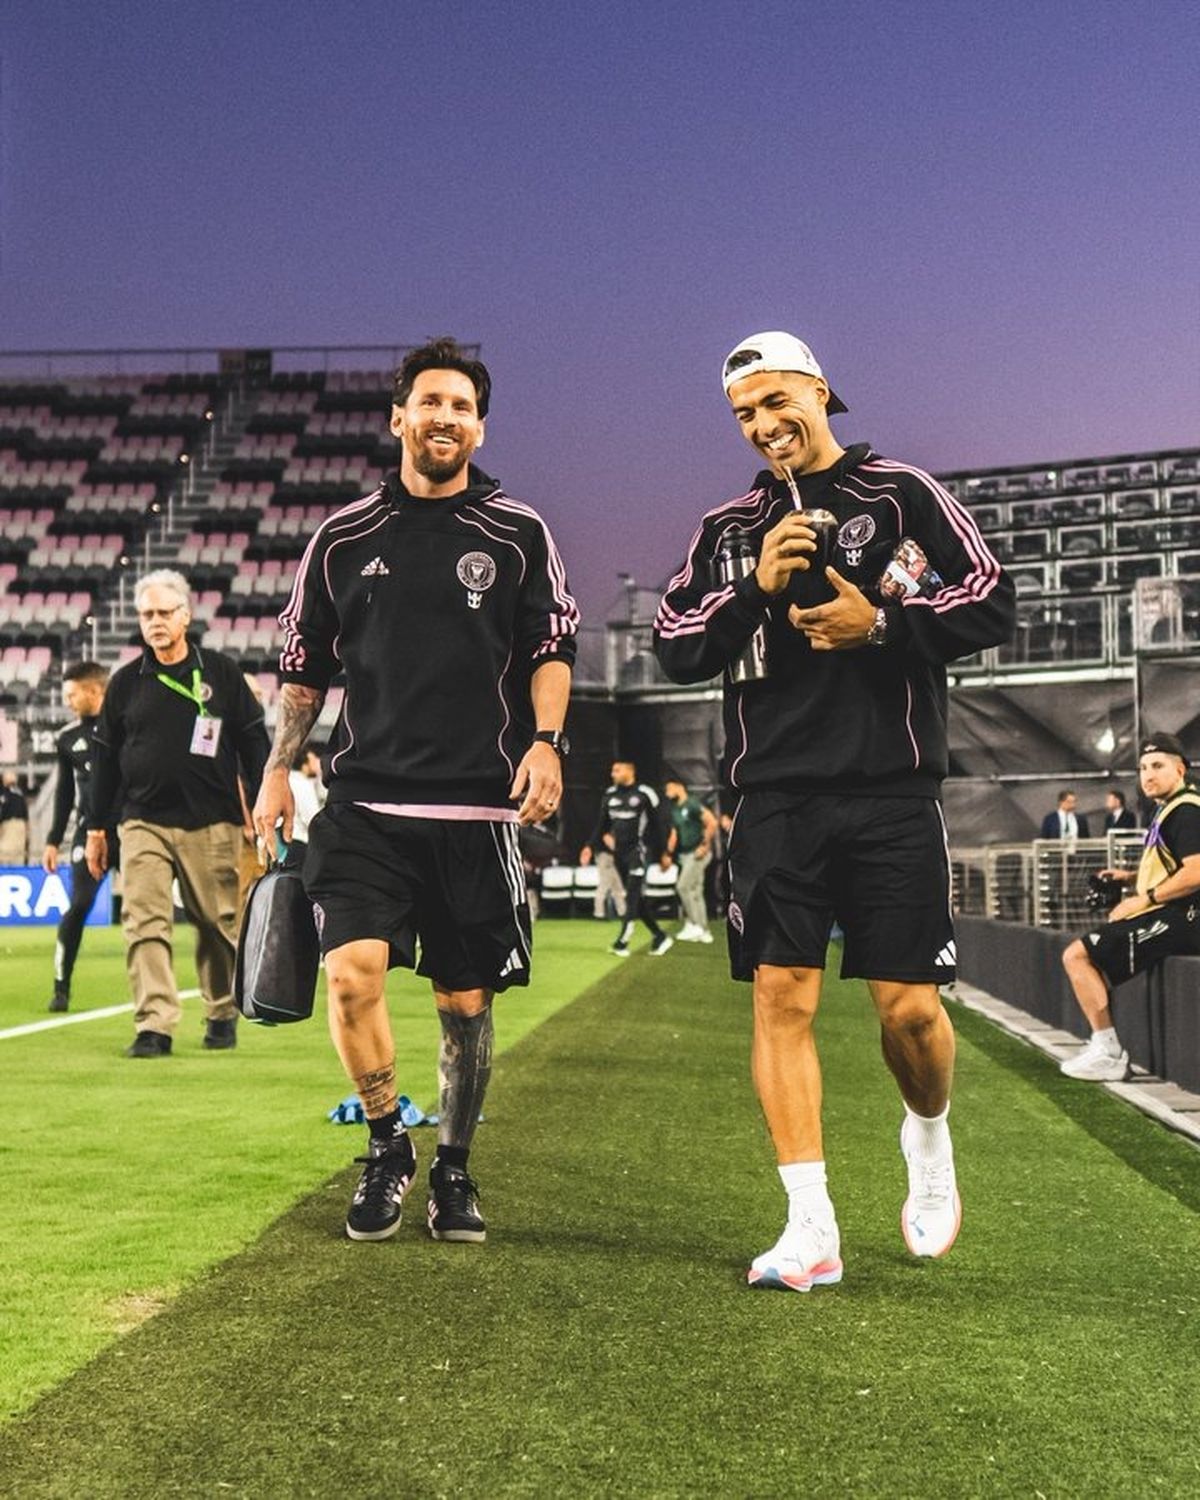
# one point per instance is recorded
(775, 351)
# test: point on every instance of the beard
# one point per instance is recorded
(437, 469)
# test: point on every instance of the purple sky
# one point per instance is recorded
(984, 218)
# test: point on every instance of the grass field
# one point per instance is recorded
(603, 1341)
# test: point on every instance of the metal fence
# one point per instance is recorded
(1043, 883)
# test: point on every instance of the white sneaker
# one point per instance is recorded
(804, 1256)
(703, 935)
(932, 1212)
(660, 945)
(1097, 1064)
(688, 933)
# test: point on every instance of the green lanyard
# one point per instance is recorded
(193, 696)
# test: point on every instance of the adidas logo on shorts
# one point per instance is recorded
(376, 568)
(948, 957)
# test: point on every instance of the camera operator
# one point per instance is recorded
(1158, 919)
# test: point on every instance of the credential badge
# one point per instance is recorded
(854, 536)
(476, 572)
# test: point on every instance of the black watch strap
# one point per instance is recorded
(556, 739)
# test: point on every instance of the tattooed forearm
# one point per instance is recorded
(464, 1067)
(377, 1090)
(299, 709)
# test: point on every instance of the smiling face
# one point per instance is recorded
(782, 415)
(440, 427)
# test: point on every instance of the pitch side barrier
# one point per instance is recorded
(1157, 1014)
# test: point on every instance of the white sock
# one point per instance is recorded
(804, 1184)
(1108, 1039)
(930, 1135)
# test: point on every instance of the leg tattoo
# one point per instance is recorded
(464, 1067)
(377, 1090)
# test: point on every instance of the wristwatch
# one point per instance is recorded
(877, 635)
(1151, 897)
(557, 741)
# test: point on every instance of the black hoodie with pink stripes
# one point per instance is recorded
(438, 612)
(865, 721)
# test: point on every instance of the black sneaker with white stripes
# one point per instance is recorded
(388, 1170)
(454, 1206)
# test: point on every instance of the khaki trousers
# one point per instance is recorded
(205, 861)
(691, 887)
(14, 835)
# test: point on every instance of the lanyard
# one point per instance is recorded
(192, 694)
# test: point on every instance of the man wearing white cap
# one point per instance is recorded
(868, 578)
(1159, 918)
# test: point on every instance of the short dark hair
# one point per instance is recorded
(85, 671)
(443, 354)
(1119, 795)
(1065, 793)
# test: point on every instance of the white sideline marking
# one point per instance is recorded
(84, 1015)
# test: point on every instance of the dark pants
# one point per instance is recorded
(631, 866)
(70, 929)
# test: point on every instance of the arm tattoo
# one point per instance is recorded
(299, 709)
(377, 1090)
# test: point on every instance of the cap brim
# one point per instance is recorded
(835, 404)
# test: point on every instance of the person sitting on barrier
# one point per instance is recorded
(1159, 919)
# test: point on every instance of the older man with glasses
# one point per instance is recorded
(176, 725)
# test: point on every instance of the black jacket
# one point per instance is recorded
(438, 612)
(868, 721)
(635, 817)
(144, 736)
(73, 748)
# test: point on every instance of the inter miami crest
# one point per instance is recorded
(476, 572)
(854, 536)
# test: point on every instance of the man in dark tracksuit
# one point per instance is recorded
(83, 692)
(445, 603)
(630, 827)
(836, 756)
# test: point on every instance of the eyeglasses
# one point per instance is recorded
(159, 614)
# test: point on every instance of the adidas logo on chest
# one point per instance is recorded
(376, 568)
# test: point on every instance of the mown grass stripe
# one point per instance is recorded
(603, 1341)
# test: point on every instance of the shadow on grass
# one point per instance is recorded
(1158, 1155)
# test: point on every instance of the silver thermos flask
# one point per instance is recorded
(736, 558)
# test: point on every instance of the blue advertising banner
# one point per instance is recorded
(31, 898)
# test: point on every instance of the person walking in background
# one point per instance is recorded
(835, 720)
(84, 684)
(1158, 919)
(1116, 815)
(1065, 822)
(631, 827)
(176, 725)
(14, 820)
(692, 834)
(445, 602)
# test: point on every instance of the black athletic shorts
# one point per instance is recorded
(455, 888)
(1122, 949)
(878, 866)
